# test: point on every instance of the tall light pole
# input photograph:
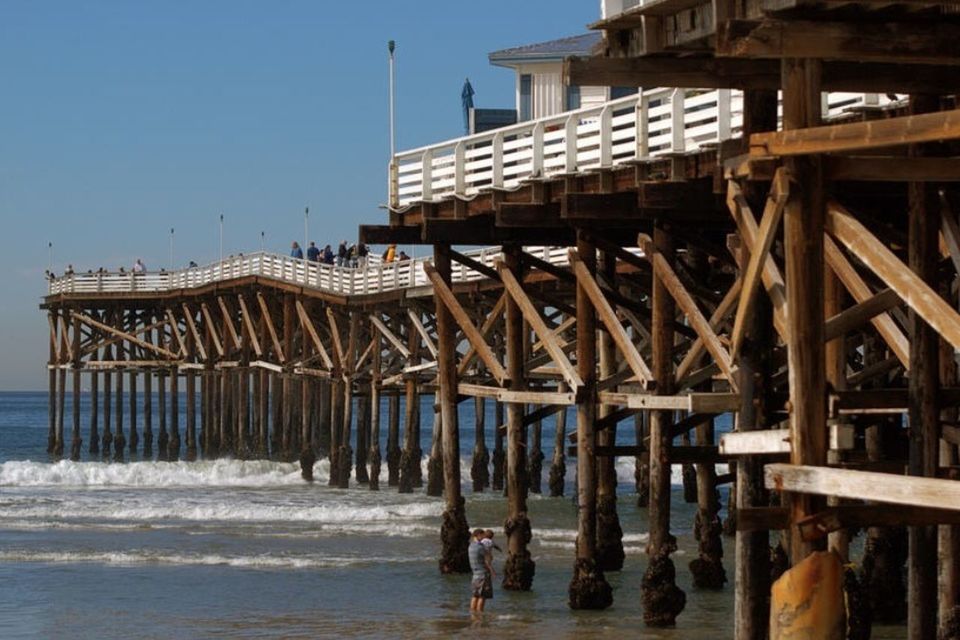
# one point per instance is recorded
(171, 248)
(306, 231)
(261, 241)
(221, 237)
(391, 46)
(49, 257)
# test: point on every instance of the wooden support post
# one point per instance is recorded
(363, 438)
(752, 548)
(662, 599)
(61, 389)
(923, 390)
(94, 409)
(803, 222)
(558, 464)
(588, 587)
(535, 455)
(393, 440)
(191, 415)
(148, 414)
(374, 455)
(119, 440)
(610, 555)
(519, 567)
(499, 455)
(76, 441)
(132, 397)
(276, 416)
(52, 381)
(346, 450)
(163, 437)
(106, 440)
(242, 446)
(480, 460)
(308, 455)
(454, 533)
(948, 536)
(435, 460)
(173, 446)
(410, 473)
(286, 451)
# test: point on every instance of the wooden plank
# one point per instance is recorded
(558, 332)
(861, 292)
(539, 327)
(609, 319)
(854, 317)
(248, 324)
(211, 328)
(748, 443)
(192, 328)
(928, 42)
(695, 402)
(528, 214)
(562, 398)
(621, 205)
(390, 335)
(422, 330)
(271, 330)
(916, 293)
(689, 422)
(67, 344)
(892, 169)
(269, 366)
(126, 336)
(473, 335)
(228, 321)
(689, 307)
(859, 136)
(888, 488)
(759, 252)
(948, 225)
(175, 329)
(311, 330)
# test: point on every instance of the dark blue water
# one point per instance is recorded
(234, 549)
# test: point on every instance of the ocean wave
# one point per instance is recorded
(263, 561)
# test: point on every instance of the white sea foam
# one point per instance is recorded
(263, 561)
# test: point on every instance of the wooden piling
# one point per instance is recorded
(519, 567)
(662, 599)
(374, 456)
(499, 456)
(134, 441)
(52, 367)
(163, 437)
(923, 222)
(363, 439)
(610, 555)
(106, 441)
(61, 391)
(173, 445)
(480, 460)
(191, 434)
(410, 472)
(558, 464)
(535, 456)
(435, 460)
(147, 414)
(393, 440)
(119, 440)
(94, 411)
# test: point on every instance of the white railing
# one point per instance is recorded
(641, 126)
(376, 277)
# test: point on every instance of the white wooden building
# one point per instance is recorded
(538, 69)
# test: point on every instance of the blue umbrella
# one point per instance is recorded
(467, 97)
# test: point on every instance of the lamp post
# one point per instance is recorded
(261, 241)
(171, 248)
(306, 231)
(49, 257)
(221, 246)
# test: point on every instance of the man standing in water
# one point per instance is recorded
(481, 563)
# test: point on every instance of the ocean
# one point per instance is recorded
(246, 549)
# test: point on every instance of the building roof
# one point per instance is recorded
(553, 50)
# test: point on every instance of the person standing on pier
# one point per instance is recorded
(481, 564)
(296, 251)
(342, 254)
(313, 254)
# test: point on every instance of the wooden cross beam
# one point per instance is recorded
(695, 351)
(422, 330)
(689, 307)
(175, 329)
(854, 317)
(311, 331)
(532, 316)
(338, 351)
(772, 279)
(759, 252)
(271, 330)
(123, 334)
(492, 317)
(861, 292)
(248, 326)
(211, 328)
(390, 335)
(138, 331)
(609, 319)
(474, 336)
(228, 321)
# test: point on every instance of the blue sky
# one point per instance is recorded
(120, 120)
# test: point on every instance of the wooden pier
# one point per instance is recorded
(654, 262)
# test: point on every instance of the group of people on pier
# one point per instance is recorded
(353, 256)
